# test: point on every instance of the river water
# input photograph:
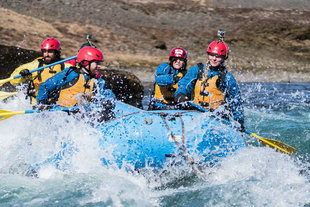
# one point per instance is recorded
(254, 176)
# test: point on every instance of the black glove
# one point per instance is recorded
(108, 105)
(106, 112)
(105, 115)
(183, 106)
(180, 98)
(43, 105)
(176, 78)
(241, 128)
(25, 73)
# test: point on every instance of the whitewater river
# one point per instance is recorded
(254, 176)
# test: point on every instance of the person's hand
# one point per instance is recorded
(241, 128)
(180, 98)
(108, 105)
(106, 112)
(43, 105)
(25, 73)
(176, 78)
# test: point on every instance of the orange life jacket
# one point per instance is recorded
(206, 92)
(75, 91)
(165, 94)
(45, 74)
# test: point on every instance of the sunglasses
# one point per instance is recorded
(48, 51)
(174, 59)
(85, 62)
(216, 55)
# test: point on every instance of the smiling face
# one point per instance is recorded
(177, 63)
(215, 60)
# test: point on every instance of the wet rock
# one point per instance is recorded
(12, 57)
(125, 85)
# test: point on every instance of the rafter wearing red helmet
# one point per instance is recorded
(167, 77)
(79, 85)
(51, 49)
(214, 88)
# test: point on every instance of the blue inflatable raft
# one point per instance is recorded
(137, 138)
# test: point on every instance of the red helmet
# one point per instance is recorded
(89, 54)
(218, 48)
(51, 44)
(178, 52)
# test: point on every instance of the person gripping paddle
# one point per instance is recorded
(51, 50)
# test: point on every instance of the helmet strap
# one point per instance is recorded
(84, 67)
(87, 71)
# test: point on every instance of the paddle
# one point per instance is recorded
(4, 95)
(279, 146)
(38, 69)
(7, 114)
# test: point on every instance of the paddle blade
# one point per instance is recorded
(5, 81)
(282, 145)
(5, 95)
(279, 146)
(7, 114)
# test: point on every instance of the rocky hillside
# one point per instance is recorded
(267, 43)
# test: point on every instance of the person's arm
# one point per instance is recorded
(52, 84)
(187, 83)
(234, 99)
(164, 75)
(103, 96)
(101, 92)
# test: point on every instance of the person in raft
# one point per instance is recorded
(79, 86)
(167, 77)
(51, 50)
(212, 86)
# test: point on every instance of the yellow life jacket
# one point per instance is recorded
(206, 92)
(165, 94)
(73, 92)
(43, 75)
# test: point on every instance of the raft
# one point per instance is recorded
(142, 138)
(137, 138)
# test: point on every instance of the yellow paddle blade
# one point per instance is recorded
(5, 80)
(288, 148)
(279, 146)
(7, 114)
(4, 95)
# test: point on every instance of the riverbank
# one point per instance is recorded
(267, 44)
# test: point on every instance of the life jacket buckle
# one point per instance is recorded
(204, 104)
(204, 93)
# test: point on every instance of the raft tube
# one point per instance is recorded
(137, 138)
(142, 138)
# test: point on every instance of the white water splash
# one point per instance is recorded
(251, 177)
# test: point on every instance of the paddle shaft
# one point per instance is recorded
(38, 69)
(47, 66)
(7, 114)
